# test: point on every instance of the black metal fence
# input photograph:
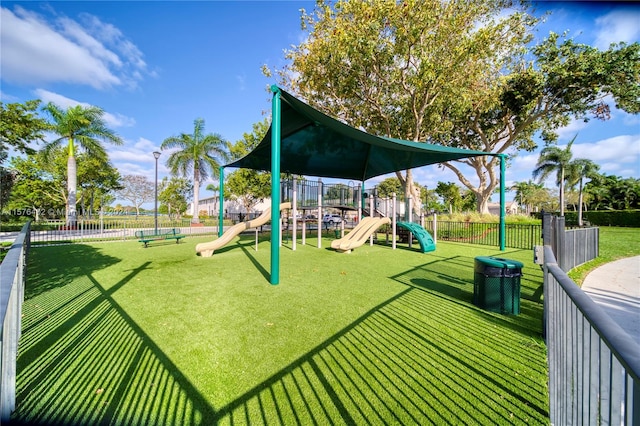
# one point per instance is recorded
(521, 236)
(109, 230)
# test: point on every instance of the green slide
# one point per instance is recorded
(424, 238)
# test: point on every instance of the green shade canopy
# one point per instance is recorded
(315, 144)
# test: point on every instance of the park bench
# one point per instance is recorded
(161, 234)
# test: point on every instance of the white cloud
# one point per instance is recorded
(242, 84)
(140, 151)
(571, 129)
(136, 158)
(4, 97)
(631, 120)
(523, 163)
(37, 50)
(619, 25)
(619, 155)
(112, 120)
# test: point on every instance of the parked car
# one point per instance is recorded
(332, 218)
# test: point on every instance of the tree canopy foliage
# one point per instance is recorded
(20, 125)
(137, 189)
(457, 73)
(174, 195)
(198, 154)
(554, 159)
(613, 192)
(40, 182)
(249, 186)
(86, 127)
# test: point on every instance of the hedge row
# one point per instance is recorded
(625, 218)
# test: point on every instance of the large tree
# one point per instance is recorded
(20, 125)
(577, 171)
(137, 189)
(553, 159)
(613, 192)
(82, 127)
(198, 154)
(401, 69)
(249, 186)
(450, 194)
(41, 182)
(388, 186)
(34, 190)
(457, 73)
(174, 195)
(562, 80)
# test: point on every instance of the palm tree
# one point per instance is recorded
(526, 193)
(84, 127)
(577, 171)
(553, 159)
(198, 153)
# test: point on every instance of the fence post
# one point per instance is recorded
(435, 227)
(319, 244)
(394, 220)
(560, 242)
(546, 229)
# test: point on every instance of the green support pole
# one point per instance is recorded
(503, 230)
(221, 198)
(275, 185)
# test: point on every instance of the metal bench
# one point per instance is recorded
(161, 234)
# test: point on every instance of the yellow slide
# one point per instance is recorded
(358, 235)
(207, 249)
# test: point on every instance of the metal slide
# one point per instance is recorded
(207, 249)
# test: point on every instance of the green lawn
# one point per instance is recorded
(117, 334)
(615, 243)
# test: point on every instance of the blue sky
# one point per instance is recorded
(154, 67)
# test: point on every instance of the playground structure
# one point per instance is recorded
(306, 142)
(303, 195)
(359, 234)
(346, 197)
(207, 249)
(426, 241)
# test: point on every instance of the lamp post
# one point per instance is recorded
(156, 154)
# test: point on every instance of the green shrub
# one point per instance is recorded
(622, 218)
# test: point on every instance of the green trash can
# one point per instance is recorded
(496, 285)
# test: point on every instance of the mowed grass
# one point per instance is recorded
(615, 243)
(117, 334)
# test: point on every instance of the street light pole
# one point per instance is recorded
(156, 154)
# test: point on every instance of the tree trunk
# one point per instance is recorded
(410, 192)
(196, 198)
(562, 192)
(482, 203)
(487, 181)
(580, 204)
(71, 190)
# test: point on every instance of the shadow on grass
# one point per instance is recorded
(85, 361)
(426, 355)
(403, 363)
(49, 272)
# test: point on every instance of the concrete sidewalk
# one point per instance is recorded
(615, 287)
